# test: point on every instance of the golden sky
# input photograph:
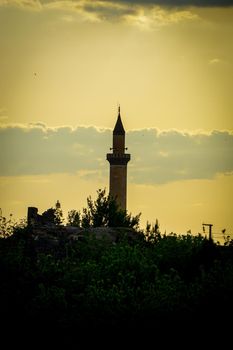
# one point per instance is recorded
(69, 63)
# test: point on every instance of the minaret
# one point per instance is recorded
(118, 160)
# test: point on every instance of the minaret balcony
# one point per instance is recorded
(118, 158)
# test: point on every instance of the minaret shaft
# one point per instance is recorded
(118, 184)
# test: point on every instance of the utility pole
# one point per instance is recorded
(210, 230)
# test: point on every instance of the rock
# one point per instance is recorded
(54, 239)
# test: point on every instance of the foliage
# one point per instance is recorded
(228, 241)
(151, 280)
(8, 226)
(153, 233)
(102, 212)
(73, 218)
(142, 283)
(53, 216)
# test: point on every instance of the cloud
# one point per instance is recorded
(118, 3)
(180, 3)
(108, 10)
(36, 149)
(144, 14)
(157, 156)
(154, 17)
(166, 156)
(214, 61)
(27, 4)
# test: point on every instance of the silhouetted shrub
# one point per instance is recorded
(98, 283)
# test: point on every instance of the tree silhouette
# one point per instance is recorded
(105, 212)
(74, 218)
(53, 215)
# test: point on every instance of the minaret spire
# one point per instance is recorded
(119, 129)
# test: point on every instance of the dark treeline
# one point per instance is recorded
(155, 279)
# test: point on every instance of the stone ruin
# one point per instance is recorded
(33, 218)
(49, 237)
(47, 218)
